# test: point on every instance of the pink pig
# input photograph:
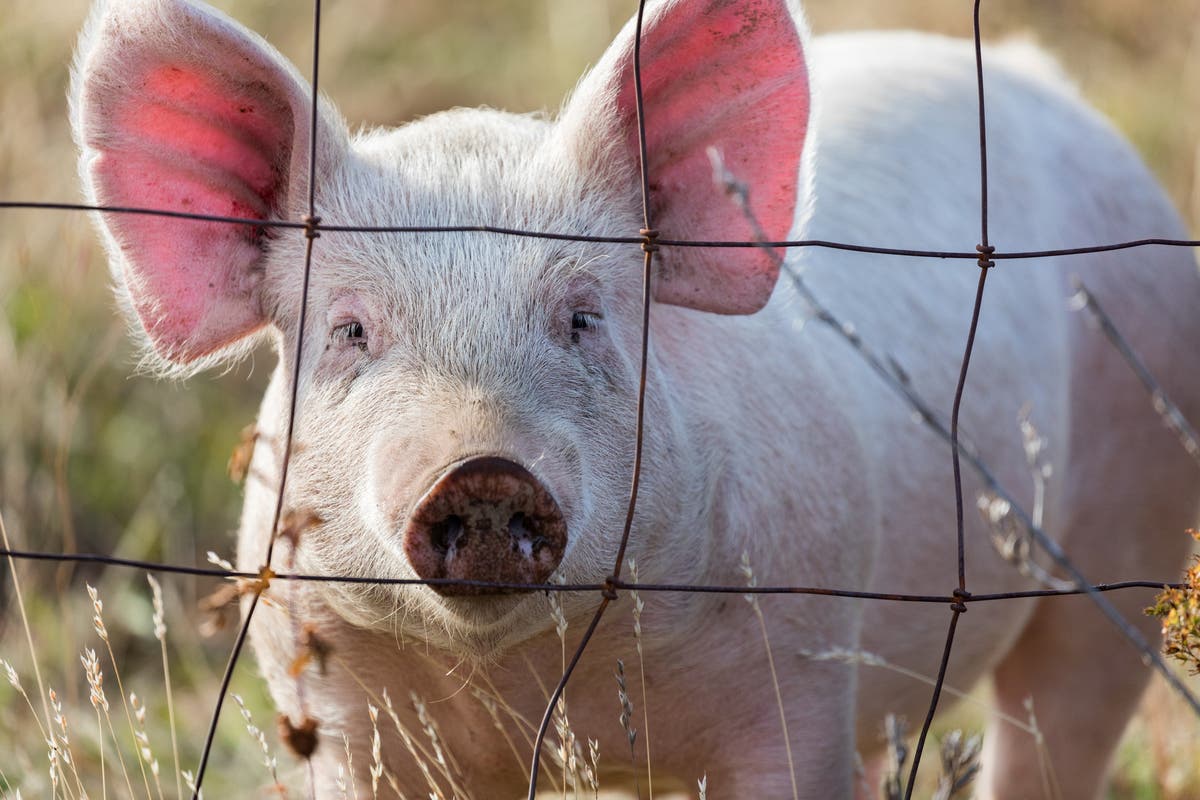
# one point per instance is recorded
(466, 401)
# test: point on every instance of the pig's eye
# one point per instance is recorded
(582, 320)
(351, 333)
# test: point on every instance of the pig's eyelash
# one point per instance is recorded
(583, 320)
(352, 333)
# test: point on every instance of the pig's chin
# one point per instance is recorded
(486, 625)
(477, 625)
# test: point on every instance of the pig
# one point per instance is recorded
(466, 401)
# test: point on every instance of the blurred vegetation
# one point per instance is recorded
(96, 458)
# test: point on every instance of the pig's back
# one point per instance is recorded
(897, 165)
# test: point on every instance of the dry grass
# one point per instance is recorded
(93, 460)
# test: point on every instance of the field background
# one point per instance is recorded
(94, 458)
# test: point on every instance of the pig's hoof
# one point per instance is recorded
(486, 519)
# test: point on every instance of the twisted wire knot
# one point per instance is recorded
(649, 235)
(610, 587)
(310, 227)
(985, 251)
(263, 582)
(961, 596)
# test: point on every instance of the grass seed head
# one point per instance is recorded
(95, 679)
(218, 561)
(98, 613)
(960, 765)
(13, 678)
(160, 624)
(626, 717)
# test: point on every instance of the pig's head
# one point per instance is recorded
(466, 400)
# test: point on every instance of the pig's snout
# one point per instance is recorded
(486, 519)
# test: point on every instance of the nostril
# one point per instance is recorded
(518, 525)
(523, 534)
(448, 535)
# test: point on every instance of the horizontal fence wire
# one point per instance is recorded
(499, 230)
(156, 567)
(985, 255)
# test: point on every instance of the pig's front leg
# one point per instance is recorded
(753, 761)
(724, 704)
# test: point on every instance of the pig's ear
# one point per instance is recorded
(715, 74)
(177, 107)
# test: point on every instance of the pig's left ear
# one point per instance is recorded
(176, 107)
(715, 74)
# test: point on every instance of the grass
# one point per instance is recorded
(92, 459)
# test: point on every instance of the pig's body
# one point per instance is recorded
(766, 434)
(818, 470)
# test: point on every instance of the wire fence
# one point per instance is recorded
(648, 238)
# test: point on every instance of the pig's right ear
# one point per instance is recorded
(716, 75)
(177, 107)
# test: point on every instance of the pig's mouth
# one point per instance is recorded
(486, 520)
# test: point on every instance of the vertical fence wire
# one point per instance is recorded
(959, 607)
(609, 593)
(311, 233)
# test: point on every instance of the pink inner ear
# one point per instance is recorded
(730, 76)
(199, 143)
(192, 283)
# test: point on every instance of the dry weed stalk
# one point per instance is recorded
(16, 581)
(527, 728)
(349, 769)
(895, 731)
(960, 765)
(257, 735)
(493, 709)
(95, 679)
(143, 741)
(593, 769)
(626, 718)
(14, 680)
(1179, 610)
(562, 727)
(1050, 787)
(752, 599)
(429, 726)
(414, 748)
(566, 748)
(217, 560)
(189, 780)
(341, 775)
(160, 633)
(376, 750)
(64, 740)
(638, 606)
(866, 658)
(1012, 539)
(102, 632)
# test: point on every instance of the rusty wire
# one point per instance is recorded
(959, 606)
(648, 234)
(311, 233)
(560, 236)
(650, 241)
(564, 588)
